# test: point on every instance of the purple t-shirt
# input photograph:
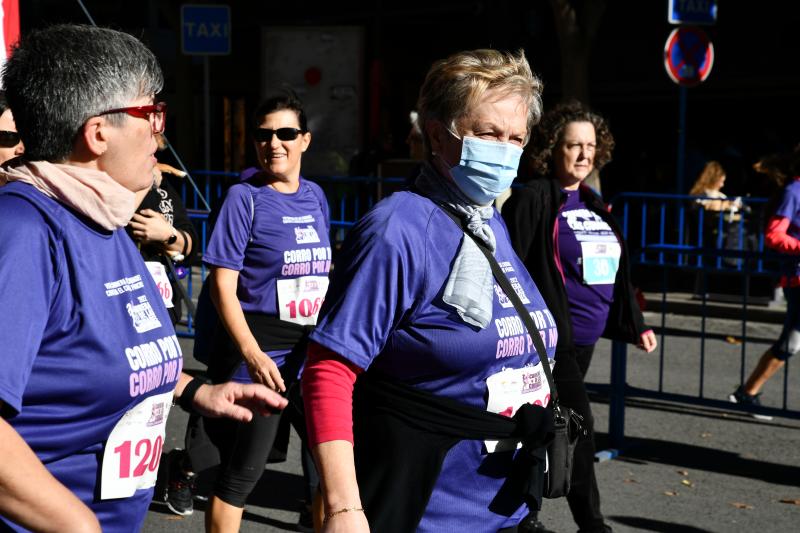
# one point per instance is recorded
(790, 208)
(385, 308)
(85, 338)
(268, 236)
(589, 253)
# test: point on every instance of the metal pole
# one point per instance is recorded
(86, 12)
(683, 93)
(616, 411)
(207, 111)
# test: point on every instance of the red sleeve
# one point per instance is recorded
(327, 384)
(777, 238)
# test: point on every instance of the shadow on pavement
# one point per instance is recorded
(647, 524)
(161, 508)
(641, 450)
(676, 332)
(740, 417)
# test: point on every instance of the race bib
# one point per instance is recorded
(511, 388)
(299, 299)
(600, 262)
(159, 274)
(133, 450)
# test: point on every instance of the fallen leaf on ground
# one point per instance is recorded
(732, 340)
(789, 500)
(629, 480)
(705, 435)
(687, 483)
(740, 505)
(671, 492)
(683, 472)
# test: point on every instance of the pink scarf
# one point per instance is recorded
(90, 192)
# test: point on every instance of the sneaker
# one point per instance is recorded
(741, 397)
(305, 522)
(180, 486)
(531, 524)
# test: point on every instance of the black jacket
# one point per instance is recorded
(166, 201)
(530, 214)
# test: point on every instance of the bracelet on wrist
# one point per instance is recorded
(330, 515)
(186, 401)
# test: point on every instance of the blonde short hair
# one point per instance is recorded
(454, 86)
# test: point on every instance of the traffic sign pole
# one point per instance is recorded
(681, 170)
(205, 30)
(688, 58)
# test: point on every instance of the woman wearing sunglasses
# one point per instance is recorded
(89, 360)
(269, 256)
(10, 145)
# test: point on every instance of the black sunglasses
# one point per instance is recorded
(284, 134)
(9, 139)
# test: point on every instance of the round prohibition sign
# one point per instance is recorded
(688, 56)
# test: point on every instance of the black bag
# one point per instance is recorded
(567, 430)
(566, 422)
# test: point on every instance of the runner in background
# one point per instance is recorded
(164, 234)
(10, 144)
(269, 257)
(782, 235)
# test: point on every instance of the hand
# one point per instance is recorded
(647, 341)
(238, 401)
(150, 226)
(352, 521)
(262, 369)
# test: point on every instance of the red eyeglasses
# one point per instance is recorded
(155, 113)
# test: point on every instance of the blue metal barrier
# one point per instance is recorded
(679, 234)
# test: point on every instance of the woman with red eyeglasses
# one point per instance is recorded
(89, 361)
(10, 144)
(269, 257)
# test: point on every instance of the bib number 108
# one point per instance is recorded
(148, 454)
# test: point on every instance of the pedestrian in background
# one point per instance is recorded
(782, 235)
(575, 252)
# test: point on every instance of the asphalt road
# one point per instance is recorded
(683, 468)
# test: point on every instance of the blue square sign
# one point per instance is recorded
(205, 29)
(698, 12)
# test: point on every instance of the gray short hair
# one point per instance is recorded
(59, 77)
(454, 86)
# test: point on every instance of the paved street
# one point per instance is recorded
(683, 469)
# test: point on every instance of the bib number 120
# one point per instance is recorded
(147, 453)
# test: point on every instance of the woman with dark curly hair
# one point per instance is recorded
(575, 253)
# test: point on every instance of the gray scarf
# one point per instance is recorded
(470, 287)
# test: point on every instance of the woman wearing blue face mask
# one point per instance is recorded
(417, 344)
(574, 249)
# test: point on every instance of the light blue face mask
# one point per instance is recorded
(486, 169)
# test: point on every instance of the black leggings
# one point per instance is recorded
(245, 447)
(583, 497)
(243, 450)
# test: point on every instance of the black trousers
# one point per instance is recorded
(584, 497)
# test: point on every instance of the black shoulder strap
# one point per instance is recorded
(523, 313)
